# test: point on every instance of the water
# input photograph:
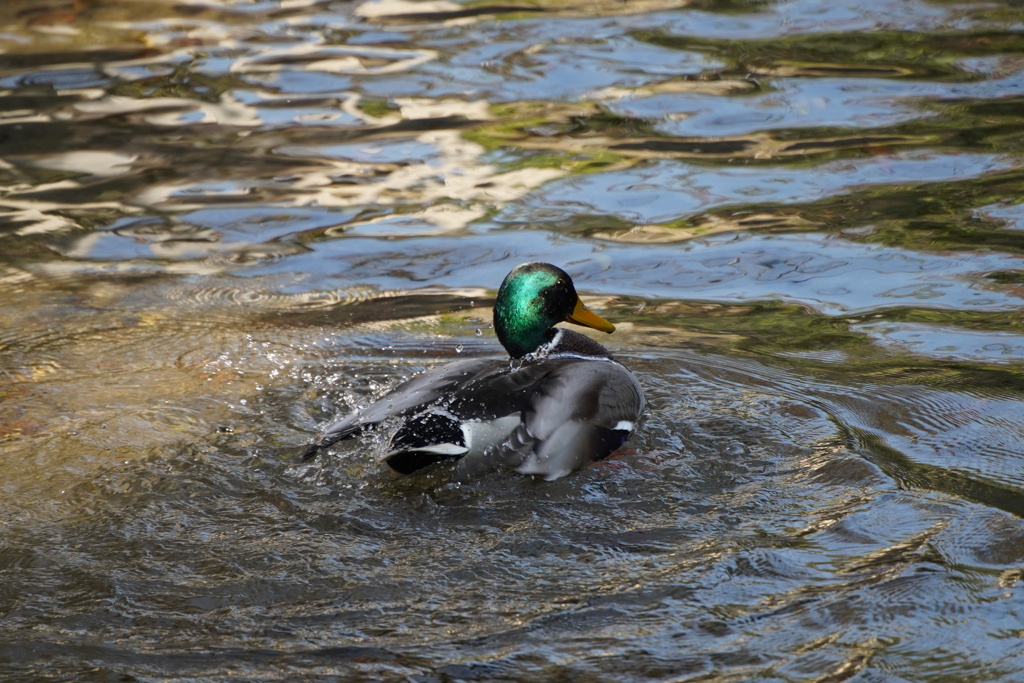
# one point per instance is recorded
(223, 222)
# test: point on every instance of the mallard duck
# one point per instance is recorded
(559, 402)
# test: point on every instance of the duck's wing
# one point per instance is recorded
(578, 410)
(479, 413)
(410, 397)
(570, 411)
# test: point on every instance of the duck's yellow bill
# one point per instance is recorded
(581, 316)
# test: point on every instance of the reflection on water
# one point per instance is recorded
(223, 222)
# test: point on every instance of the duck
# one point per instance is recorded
(558, 402)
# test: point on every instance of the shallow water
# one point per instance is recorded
(223, 222)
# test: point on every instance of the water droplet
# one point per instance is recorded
(459, 348)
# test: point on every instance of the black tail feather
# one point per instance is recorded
(424, 440)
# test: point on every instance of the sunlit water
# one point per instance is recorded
(224, 222)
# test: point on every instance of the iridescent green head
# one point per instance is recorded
(533, 298)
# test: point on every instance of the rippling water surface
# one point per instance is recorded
(222, 222)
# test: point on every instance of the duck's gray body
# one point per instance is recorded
(546, 414)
